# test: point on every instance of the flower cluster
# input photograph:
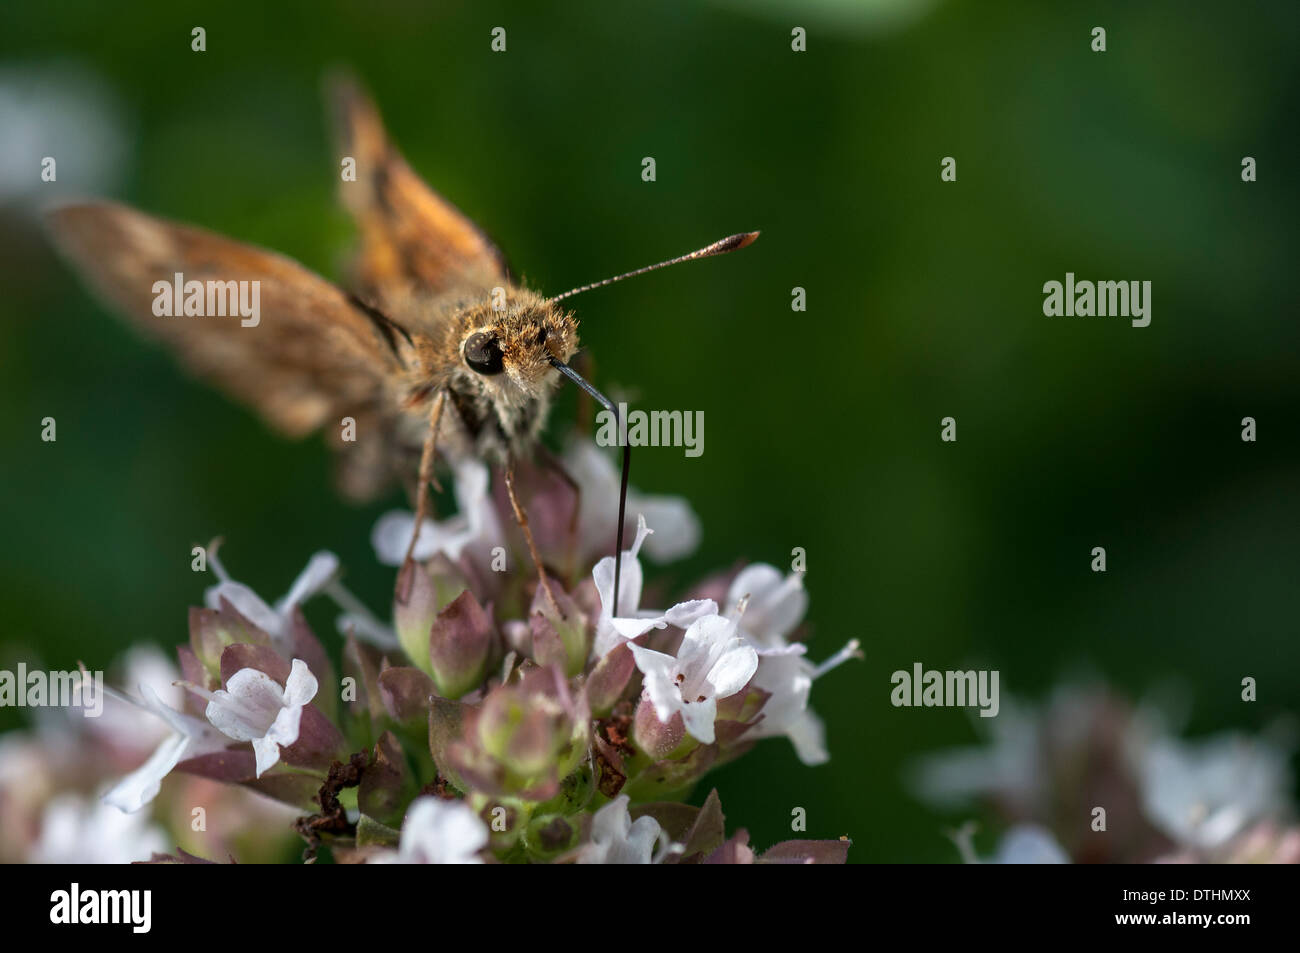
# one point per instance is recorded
(54, 775)
(500, 717)
(1088, 778)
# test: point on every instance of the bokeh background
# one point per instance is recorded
(822, 428)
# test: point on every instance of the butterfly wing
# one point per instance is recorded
(313, 356)
(413, 241)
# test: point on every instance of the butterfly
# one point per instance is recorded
(433, 351)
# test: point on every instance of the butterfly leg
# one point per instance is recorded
(557, 465)
(427, 458)
(522, 519)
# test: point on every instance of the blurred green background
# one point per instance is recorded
(822, 428)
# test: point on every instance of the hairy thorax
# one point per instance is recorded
(491, 357)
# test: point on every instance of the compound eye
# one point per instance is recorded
(483, 353)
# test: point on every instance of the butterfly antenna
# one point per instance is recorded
(609, 405)
(721, 247)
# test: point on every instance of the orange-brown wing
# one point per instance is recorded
(312, 356)
(412, 239)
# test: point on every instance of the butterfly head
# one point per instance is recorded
(520, 343)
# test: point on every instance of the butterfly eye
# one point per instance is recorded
(483, 353)
(541, 337)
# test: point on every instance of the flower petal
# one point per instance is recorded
(248, 603)
(267, 752)
(684, 614)
(658, 680)
(776, 603)
(699, 717)
(807, 732)
(301, 685)
(141, 786)
(247, 707)
(677, 532)
(733, 669)
(441, 832)
(320, 569)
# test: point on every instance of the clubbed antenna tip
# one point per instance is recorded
(720, 247)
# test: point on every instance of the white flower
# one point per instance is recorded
(632, 621)
(253, 707)
(274, 621)
(768, 607)
(617, 839)
(713, 662)
(438, 832)
(598, 479)
(319, 576)
(133, 728)
(1010, 766)
(1204, 794)
(1022, 844)
(773, 606)
(58, 110)
(76, 830)
(1200, 794)
(357, 620)
(1029, 844)
(789, 678)
(190, 737)
(476, 526)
